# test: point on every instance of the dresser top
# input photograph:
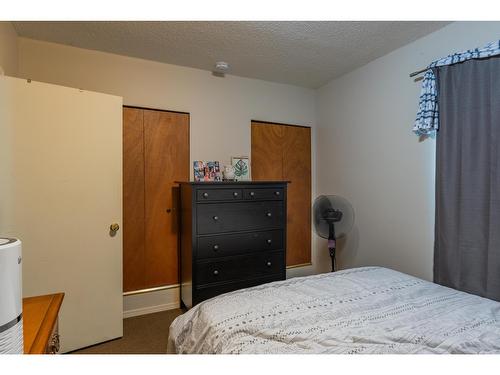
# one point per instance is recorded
(39, 318)
(211, 183)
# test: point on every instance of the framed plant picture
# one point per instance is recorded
(241, 165)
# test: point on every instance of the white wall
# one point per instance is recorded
(367, 153)
(8, 49)
(221, 108)
(365, 149)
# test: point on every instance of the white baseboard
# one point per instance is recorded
(150, 309)
(151, 302)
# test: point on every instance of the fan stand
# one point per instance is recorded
(332, 244)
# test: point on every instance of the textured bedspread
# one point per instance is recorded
(361, 310)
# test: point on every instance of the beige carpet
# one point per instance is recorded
(146, 334)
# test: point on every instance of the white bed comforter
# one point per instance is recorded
(360, 310)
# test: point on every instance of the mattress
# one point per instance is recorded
(360, 310)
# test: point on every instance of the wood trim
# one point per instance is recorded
(256, 122)
(149, 290)
(155, 109)
(151, 309)
(39, 319)
(299, 265)
(248, 182)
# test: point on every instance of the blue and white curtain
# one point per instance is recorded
(427, 122)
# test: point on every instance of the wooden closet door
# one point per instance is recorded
(297, 169)
(166, 159)
(133, 200)
(283, 152)
(267, 151)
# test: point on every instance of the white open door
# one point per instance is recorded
(60, 190)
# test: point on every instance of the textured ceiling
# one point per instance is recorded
(303, 53)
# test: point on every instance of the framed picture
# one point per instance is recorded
(198, 170)
(208, 171)
(241, 165)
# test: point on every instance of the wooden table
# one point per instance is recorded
(40, 329)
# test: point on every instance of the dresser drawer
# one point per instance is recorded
(239, 267)
(208, 195)
(263, 194)
(209, 291)
(236, 244)
(229, 217)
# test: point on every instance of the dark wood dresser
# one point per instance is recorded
(233, 236)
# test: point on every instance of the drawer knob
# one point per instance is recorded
(216, 247)
(205, 195)
(216, 273)
(269, 264)
(269, 242)
(252, 194)
(235, 194)
(268, 214)
(277, 193)
(216, 218)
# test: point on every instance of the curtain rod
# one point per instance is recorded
(418, 72)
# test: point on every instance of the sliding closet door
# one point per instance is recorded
(267, 151)
(133, 200)
(283, 152)
(166, 160)
(155, 155)
(61, 188)
(297, 169)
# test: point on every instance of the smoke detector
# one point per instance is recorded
(221, 68)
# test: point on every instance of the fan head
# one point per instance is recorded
(332, 208)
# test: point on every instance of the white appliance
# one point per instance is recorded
(11, 303)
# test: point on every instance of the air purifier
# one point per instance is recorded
(11, 304)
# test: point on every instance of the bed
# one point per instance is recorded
(359, 310)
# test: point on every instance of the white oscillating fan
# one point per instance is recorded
(333, 218)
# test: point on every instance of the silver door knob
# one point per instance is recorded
(216, 247)
(277, 193)
(268, 214)
(216, 272)
(216, 218)
(205, 195)
(269, 242)
(269, 264)
(252, 193)
(235, 194)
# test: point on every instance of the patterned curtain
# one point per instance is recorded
(427, 122)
